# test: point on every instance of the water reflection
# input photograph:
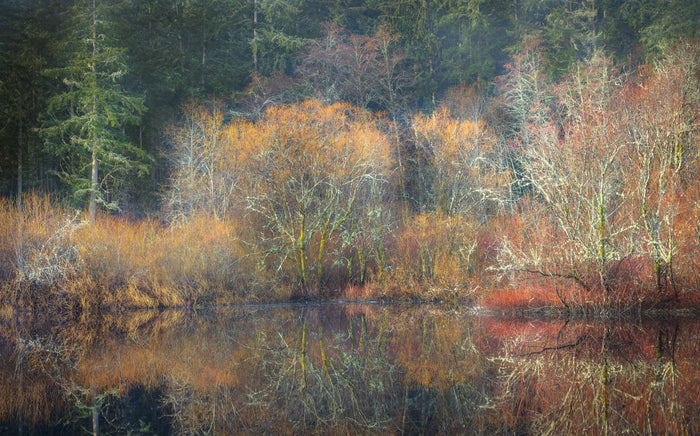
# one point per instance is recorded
(347, 368)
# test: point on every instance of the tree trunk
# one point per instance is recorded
(255, 35)
(20, 150)
(95, 413)
(92, 209)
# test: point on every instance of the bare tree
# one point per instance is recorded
(574, 164)
(662, 114)
(209, 160)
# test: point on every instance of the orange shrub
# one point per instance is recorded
(432, 256)
(52, 258)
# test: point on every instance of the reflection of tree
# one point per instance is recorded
(447, 378)
(315, 384)
(87, 404)
(68, 382)
(595, 379)
(360, 377)
(350, 369)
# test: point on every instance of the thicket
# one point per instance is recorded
(580, 193)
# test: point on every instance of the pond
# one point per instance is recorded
(347, 368)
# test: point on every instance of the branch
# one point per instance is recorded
(557, 347)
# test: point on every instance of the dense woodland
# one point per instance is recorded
(513, 152)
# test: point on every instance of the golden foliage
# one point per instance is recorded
(467, 172)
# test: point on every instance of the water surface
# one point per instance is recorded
(347, 369)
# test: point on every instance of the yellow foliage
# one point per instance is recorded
(464, 157)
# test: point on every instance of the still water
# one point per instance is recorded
(346, 368)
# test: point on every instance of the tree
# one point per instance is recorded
(362, 70)
(464, 169)
(209, 160)
(575, 164)
(186, 49)
(280, 28)
(25, 41)
(89, 117)
(661, 22)
(527, 97)
(461, 182)
(572, 34)
(473, 39)
(416, 23)
(662, 124)
(315, 165)
(309, 176)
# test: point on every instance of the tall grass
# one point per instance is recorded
(149, 264)
(52, 258)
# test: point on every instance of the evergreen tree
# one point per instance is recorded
(356, 16)
(473, 39)
(87, 120)
(572, 34)
(13, 94)
(280, 30)
(26, 32)
(416, 23)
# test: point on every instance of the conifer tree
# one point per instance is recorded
(87, 119)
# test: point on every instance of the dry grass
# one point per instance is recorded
(48, 252)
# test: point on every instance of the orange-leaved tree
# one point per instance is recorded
(306, 177)
(315, 166)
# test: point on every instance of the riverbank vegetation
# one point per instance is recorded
(566, 178)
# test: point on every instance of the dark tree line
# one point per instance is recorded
(87, 87)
